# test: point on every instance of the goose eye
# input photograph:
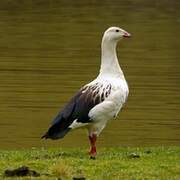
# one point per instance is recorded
(117, 30)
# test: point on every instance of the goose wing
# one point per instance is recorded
(77, 109)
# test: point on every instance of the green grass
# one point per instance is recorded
(111, 163)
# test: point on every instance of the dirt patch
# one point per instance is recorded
(79, 178)
(133, 155)
(21, 171)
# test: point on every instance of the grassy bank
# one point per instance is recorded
(111, 163)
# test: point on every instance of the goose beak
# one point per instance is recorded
(127, 35)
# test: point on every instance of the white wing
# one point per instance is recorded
(108, 108)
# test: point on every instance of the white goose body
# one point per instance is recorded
(98, 101)
(110, 107)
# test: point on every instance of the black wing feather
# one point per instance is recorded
(77, 108)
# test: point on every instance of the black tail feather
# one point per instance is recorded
(58, 129)
(56, 134)
(45, 136)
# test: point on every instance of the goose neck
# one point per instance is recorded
(109, 60)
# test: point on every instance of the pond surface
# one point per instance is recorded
(49, 50)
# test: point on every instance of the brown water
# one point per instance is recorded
(49, 50)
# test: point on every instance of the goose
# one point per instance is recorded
(98, 101)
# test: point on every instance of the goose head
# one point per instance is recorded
(115, 34)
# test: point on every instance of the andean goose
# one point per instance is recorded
(98, 101)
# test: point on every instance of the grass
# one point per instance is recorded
(111, 163)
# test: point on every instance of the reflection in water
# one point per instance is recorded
(49, 50)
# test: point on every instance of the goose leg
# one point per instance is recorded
(92, 139)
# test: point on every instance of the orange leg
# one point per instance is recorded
(92, 140)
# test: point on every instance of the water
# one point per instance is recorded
(48, 50)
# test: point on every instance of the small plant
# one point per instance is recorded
(62, 170)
